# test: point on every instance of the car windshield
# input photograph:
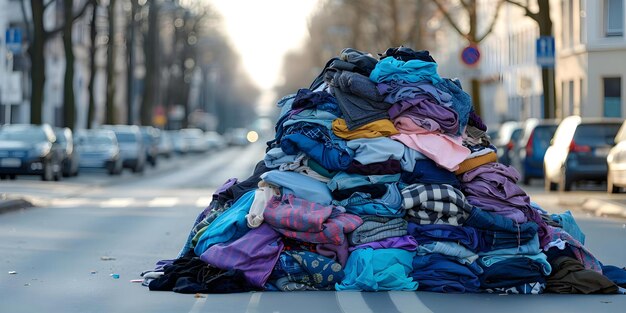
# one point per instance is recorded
(22, 134)
(126, 137)
(96, 140)
(543, 134)
(596, 134)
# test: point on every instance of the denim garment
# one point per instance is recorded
(467, 236)
(390, 69)
(511, 272)
(451, 249)
(568, 223)
(320, 117)
(378, 270)
(346, 181)
(389, 205)
(489, 260)
(409, 158)
(405, 242)
(426, 171)
(529, 248)
(461, 101)
(319, 144)
(439, 273)
(275, 157)
(615, 274)
(374, 150)
(496, 223)
(299, 185)
(229, 226)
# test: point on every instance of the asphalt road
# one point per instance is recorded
(84, 229)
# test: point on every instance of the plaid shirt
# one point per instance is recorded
(435, 204)
(309, 221)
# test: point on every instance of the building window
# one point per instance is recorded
(564, 24)
(570, 23)
(614, 18)
(582, 14)
(612, 96)
(570, 97)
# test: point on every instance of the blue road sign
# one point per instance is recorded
(470, 55)
(545, 51)
(13, 39)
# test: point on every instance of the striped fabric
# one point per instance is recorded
(435, 204)
(309, 221)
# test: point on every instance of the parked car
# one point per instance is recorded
(578, 151)
(166, 145)
(214, 140)
(98, 148)
(180, 146)
(29, 150)
(616, 163)
(151, 137)
(65, 138)
(529, 150)
(508, 133)
(194, 138)
(237, 137)
(131, 145)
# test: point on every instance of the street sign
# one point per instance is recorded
(470, 55)
(13, 39)
(545, 51)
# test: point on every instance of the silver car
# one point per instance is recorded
(616, 163)
(131, 146)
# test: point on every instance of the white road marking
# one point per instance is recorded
(72, 202)
(253, 305)
(352, 301)
(408, 301)
(117, 202)
(203, 202)
(163, 202)
(198, 304)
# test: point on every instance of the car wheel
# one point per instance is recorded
(48, 172)
(12, 176)
(565, 182)
(610, 187)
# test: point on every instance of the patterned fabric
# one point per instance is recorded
(435, 204)
(375, 228)
(524, 289)
(309, 221)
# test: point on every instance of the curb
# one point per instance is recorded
(604, 208)
(8, 205)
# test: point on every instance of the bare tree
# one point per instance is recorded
(472, 35)
(153, 69)
(93, 33)
(110, 101)
(542, 17)
(40, 36)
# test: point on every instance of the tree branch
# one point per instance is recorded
(528, 12)
(46, 5)
(29, 31)
(450, 20)
(75, 16)
(493, 22)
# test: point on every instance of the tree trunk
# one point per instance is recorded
(152, 72)
(92, 66)
(130, 47)
(69, 106)
(38, 62)
(547, 75)
(110, 104)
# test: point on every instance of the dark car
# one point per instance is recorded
(151, 138)
(616, 163)
(508, 133)
(530, 149)
(65, 139)
(578, 151)
(131, 145)
(98, 149)
(29, 150)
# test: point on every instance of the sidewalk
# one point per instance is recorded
(601, 207)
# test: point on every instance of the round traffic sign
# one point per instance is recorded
(470, 55)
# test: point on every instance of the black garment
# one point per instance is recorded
(570, 276)
(510, 273)
(376, 191)
(192, 275)
(388, 167)
(407, 54)
(349, 59)
(307, 99)
(239, 189)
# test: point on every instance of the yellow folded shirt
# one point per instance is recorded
(379, 128)
(473, 163)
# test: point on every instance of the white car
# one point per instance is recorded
(194, 139)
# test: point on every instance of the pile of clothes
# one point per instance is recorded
(382, 177)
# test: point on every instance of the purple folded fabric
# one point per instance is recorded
(255, 254)
(406, 242)
(422, 107)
